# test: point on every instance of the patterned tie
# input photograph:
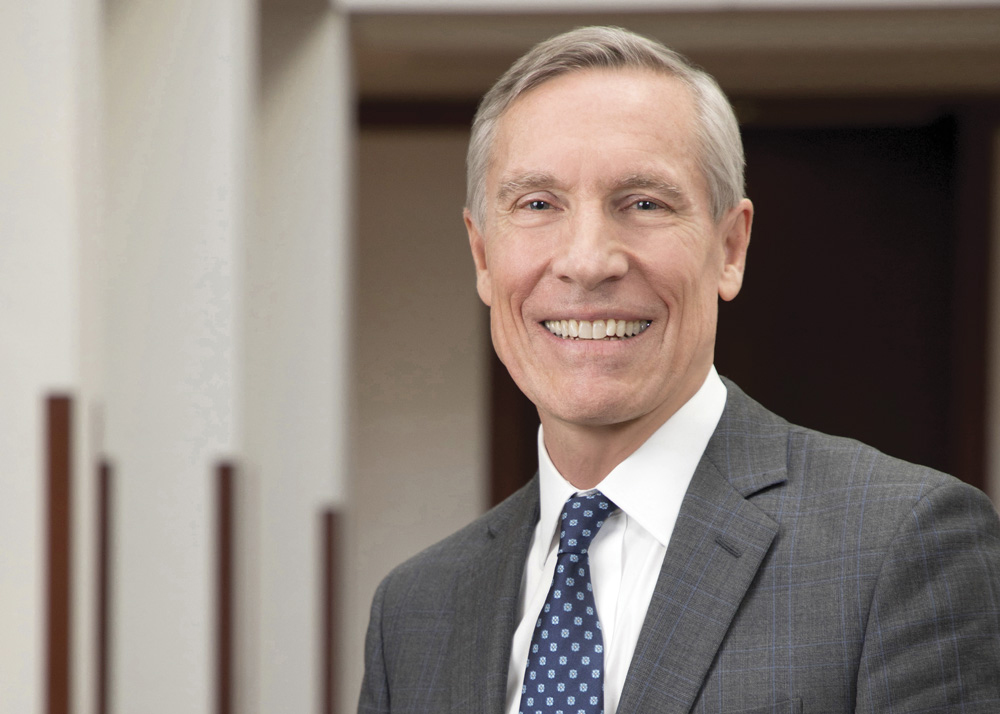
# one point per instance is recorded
(565, 670)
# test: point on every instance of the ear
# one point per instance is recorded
(735, 226)
(478, 246)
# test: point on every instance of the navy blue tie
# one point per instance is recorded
(565, 670)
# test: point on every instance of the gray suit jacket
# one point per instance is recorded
(806, 573)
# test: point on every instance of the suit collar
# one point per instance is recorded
(717, 547)
(750, 445)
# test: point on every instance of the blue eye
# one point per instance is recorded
(646, 205)
(538, 205)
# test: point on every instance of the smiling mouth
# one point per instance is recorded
(609, 329)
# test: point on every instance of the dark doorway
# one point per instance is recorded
(844, 323)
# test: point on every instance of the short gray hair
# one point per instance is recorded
(721, 150)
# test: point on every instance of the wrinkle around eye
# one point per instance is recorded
(534, 212)
(535, 206)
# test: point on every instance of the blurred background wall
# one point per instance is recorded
(243, 369)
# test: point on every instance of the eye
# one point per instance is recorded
(644, 204)
(538, 205)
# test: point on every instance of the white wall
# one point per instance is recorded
(419, 445)
(185, 278)
(177, 86)
(48, 105)
(300, 325)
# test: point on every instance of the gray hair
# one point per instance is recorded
(721, 150)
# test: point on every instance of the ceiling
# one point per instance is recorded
(753, 53)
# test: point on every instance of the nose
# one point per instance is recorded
(591, 253)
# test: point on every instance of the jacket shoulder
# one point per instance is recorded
(825, 460)
(436, 568)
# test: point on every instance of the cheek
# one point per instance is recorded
(685, 281)
(514, 276)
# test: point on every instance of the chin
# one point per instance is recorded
(595, 412)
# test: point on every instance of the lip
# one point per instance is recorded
(595, 316)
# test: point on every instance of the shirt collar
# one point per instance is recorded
(649, 485)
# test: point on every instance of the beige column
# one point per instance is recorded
(299, 325)
(48, 174)
(178, 78)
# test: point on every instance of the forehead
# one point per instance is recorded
(598, 118)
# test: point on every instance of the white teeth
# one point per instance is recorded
(596, 330)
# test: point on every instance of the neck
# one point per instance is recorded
(585, 453)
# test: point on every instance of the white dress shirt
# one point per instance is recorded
(626, 554)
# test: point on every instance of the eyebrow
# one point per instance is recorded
(524, 183)
(648, 183)
(636, 181)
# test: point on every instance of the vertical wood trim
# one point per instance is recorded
(59, 433)
(970, 313)
(224, 653)
(331, 608)
(104, 534)
(513, 434)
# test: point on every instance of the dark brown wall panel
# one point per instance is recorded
(103, 672)
(225, 474)
(331, 608)
(59, 466)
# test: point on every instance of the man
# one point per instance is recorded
(681, 549)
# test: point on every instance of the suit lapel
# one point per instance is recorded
(486, 615)
(718, 544)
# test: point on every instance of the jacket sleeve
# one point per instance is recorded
(932, 638)
(375, 685)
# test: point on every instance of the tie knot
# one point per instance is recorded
(582, 516)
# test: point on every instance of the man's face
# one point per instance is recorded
(597, 211)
